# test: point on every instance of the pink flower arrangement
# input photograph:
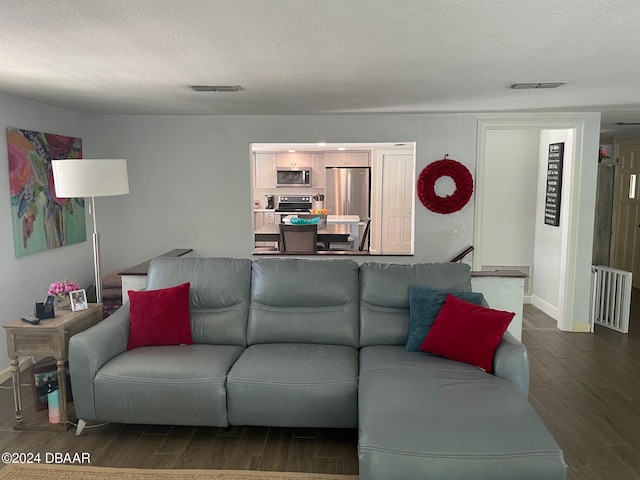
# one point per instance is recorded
(62, 289)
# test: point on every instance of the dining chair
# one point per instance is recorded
(351, 246)
(298, 239)
(322, 223)
(364, 243)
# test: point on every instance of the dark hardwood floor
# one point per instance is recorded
(161, 446)
(585, 387)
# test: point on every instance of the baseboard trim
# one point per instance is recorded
(546, 307)
(23, 365)
(581, 328)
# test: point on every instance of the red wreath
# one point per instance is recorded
(445, 168)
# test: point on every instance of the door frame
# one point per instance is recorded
(575, 277)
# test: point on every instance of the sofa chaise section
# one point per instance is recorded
(424, 416)
(449, 419)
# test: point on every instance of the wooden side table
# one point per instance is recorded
(50, 338)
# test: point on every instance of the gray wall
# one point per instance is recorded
(26, 279)
(190, 186)
(190, 178)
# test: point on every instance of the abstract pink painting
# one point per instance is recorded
(41, 220)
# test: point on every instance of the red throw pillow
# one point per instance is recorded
(159, 317)
(467, 332)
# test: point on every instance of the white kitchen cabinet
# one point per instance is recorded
(358, 159)
(296, 159)
(346, 159)
(269, 217)
(317, 170)
(264, 217)
(285, 160)
(265, 170)
(260, 219)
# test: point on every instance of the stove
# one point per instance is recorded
(294, 203)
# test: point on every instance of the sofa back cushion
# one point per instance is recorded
(384, 296)
(219, 297)
(304, 301)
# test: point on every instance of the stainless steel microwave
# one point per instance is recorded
(293, 177)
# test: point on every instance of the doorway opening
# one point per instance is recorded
(512, 199)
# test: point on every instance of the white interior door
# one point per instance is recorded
(397, 203)
(626, 212)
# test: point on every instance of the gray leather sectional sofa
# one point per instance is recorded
(320, 343)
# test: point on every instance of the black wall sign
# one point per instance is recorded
(554, 184)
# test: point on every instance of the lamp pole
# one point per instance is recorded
(96, 252)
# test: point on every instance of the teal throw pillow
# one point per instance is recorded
(424, 306)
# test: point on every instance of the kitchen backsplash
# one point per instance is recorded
(260, 193)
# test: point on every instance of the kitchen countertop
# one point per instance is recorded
(330, 218)
(343, 219)
(337, 219)
(499, 273)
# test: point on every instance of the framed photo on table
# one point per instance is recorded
(78, 300)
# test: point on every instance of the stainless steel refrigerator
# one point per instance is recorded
(347, 191)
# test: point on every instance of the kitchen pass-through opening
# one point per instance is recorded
(362, 192)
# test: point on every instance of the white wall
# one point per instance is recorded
(190, 178)
(26, 279)
(550, 265)
(509, 190)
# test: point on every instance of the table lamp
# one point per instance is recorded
(91, 178)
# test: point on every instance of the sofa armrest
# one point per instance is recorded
(89, 351)
(511, 362)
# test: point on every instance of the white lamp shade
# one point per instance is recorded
(90, 178)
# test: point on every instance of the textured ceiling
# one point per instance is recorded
(322, 56)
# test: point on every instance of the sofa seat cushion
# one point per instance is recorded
(396, 357)
(450, 419)
(294, 385)
(173, 385)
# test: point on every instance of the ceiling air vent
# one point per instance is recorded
(216, 88)
(534, 85)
